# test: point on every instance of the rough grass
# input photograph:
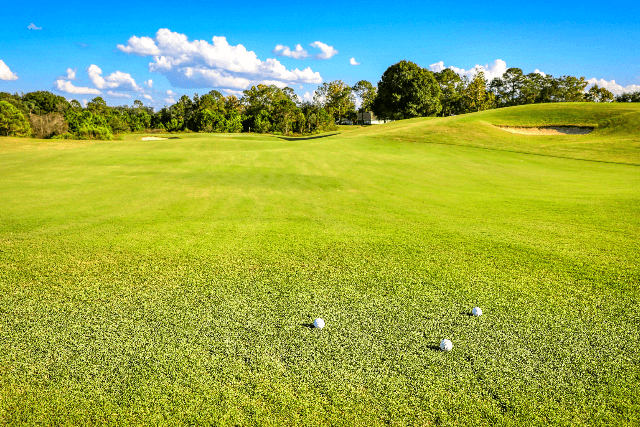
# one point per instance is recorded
(176, 281)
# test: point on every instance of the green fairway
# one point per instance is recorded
(176, 281)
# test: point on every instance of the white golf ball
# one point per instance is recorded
(477, 311)
(318, 323)
(446, 345)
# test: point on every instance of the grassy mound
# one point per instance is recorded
(615, 139)
(175, 281)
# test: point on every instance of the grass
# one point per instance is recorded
(175, 281)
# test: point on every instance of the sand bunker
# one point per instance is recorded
(152, 138)
(549, 130)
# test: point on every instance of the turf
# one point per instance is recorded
(176, 281)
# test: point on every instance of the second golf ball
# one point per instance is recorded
(318, 323)
(446, 345)
(477, 311)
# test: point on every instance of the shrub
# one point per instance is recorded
(12, 121)
(48, 125)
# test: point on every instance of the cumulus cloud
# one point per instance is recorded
(71, 74)
(169, 101)
(612, 86)
(68, 87)
(298, 53)
(199, 63)
(6, 73)
(149, 83)
(32, 26)
(308, 96)
(118, 94)
(85, 102)
(117, 80)
(540, 72)
(145, 96)
(352, 61)
(491, 71)
(327, 51)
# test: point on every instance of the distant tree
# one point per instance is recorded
(337, 98)
(451, 88)
(477, 97)
(407, 90)
(598, 94)
(44, 102)
(510, 88)
(628, 97)
(569, 89)
(12, 121)
(367, 94)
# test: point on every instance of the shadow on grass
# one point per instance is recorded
(304, 138)
(308, 325)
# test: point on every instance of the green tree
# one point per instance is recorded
(44, 102)
(12, 121)
(367, 94)
(451, 88)
(476, 95)
(337, 98)
(509, 89)
(407, 90)
(629, 97)
(598, 94)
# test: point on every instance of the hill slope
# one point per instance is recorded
(616, 137)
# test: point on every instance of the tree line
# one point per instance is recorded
(405, 90)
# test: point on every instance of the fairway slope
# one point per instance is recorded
(615, 136)
(175, 282)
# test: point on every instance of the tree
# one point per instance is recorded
(509, 89)
(629, 97)
(451, 88)
(569, 89)
(367, 94)
(44, 102)
(407, 90)
(477, 97)
(337, 98)
(598, 94)
(12, 121)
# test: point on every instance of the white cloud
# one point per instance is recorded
(170, 93)
(298, 53)
(491, 71)
(68, 87)
(32, 26)
(327, 51)
(85, 102)
(169, 101)
(141, 46)
(145, 96)
(117, 80)
(612, 86)
(118, 94)
(352, 61)
(71, 75)
(149, 83)
(199, 63)
(6, 73)
(540, 72)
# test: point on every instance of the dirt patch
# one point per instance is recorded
(549, 130)
(157, 138)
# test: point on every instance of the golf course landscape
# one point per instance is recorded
(175, 282)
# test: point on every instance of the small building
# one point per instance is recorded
(368, 118)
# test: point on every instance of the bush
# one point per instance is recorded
(48, 125)
(12, 122)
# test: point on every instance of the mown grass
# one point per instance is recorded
(175, 281)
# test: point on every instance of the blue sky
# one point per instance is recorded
(158, 51)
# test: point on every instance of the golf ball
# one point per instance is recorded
(318, 323)
(477, 311)
(446, 345)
